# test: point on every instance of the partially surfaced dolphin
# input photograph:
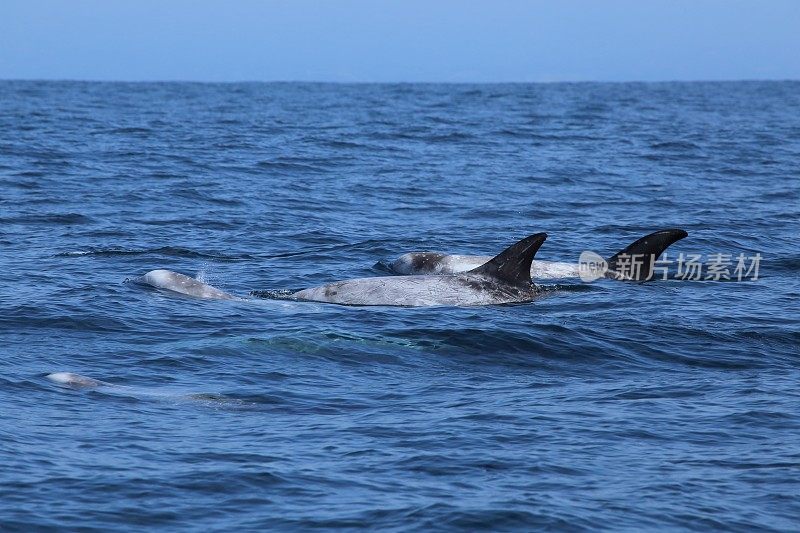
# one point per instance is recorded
(505, 278)
(183, 284)
(77, 381)
(646, 250)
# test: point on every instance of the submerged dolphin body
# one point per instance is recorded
(77, 381)
(505, 278)
(647, 249)
(183, 284)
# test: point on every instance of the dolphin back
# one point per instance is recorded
(183, 284)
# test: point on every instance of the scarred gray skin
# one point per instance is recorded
(420, 291)
(436, 263)
(183, 284)
(503, 279)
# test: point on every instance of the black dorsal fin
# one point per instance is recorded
(513, 265)
(636, 261)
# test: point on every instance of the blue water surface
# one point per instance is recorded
(666, 405)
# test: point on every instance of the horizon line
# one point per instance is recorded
(399, 82)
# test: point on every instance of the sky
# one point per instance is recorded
(408, 40)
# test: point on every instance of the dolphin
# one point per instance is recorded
(505, 278)
(77, 381)
(643, 251)
(183, 284)
(177, 283)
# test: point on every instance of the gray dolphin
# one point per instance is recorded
(77, 381)
(505, 278)
(646, 250)
(183, 284)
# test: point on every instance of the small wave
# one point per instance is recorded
(289, 166)
(73, 254)
(450, 137)
(22, 320)
(547, 290)
(29, 174)
(281, 294)
(526, 134)
(192, 193)
(170, 251)
(652, 393)
(790, 263)
(674, 145)
(54, 218)
(345, 144)
(426, 136)
(123, 131)
(383, 267)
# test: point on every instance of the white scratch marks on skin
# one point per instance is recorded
(418, 291)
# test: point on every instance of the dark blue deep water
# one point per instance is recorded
(667, 405)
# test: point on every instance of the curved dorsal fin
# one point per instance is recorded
(637, 260)
(513, 265)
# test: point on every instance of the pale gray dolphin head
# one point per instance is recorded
(506, 278)
(183, 284)
(74, 380)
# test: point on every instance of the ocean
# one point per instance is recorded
(668, 405)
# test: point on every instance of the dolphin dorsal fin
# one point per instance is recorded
(513, 265)
(645, 251)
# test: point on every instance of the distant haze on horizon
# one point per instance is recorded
(400, 41)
